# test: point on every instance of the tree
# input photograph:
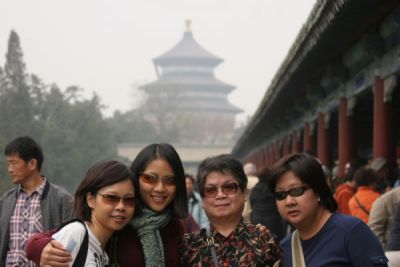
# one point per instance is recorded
(76, 135)
(70, 129)
(15, 100)
(15, 66)
(16, 115)
(160, 109)
(131, 127)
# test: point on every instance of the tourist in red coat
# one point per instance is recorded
(153, 236)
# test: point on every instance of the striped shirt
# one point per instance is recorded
(25, 221)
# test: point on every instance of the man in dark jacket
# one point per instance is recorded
(34, 205)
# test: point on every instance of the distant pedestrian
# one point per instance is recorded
(346, 190)
(382, 167)
(394, 240)
(264, 210)
(361, 203)
(251, 172)
(382, 215)
(194, 202)
(34, 205)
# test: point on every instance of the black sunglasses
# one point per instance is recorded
(294, 192)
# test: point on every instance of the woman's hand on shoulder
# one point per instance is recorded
(54, 254)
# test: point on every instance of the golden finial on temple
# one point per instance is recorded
(188, 23)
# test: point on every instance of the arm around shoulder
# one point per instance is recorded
(36, 244)
(272, 251)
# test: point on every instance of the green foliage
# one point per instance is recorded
(70, 129)
(131, 127)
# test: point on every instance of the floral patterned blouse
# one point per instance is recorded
(246, 246)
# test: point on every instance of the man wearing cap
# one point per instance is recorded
(381, 166)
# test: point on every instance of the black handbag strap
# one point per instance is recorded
(361, 206)
(210, 243)
(80, 258)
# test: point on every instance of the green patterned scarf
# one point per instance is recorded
(148, 225)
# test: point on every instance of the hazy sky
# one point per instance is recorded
(107, 47)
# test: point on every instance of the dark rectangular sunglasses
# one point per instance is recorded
(294, 192)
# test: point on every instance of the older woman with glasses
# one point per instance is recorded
(322, 236)
(228, 241)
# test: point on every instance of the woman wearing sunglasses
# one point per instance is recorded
(228, 241)
(152, 239)
(104, 202)
(153, 236)
(322, 236)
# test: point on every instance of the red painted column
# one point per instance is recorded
(271, 154)
(307, 138)
(263, 151)
(257, 160)
(296, 141)
(273, 151)
(286, 150)
(383, 143)
(277, 151)
(347, 148)
(323, 151)
(263, 158)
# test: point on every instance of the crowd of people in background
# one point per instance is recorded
(295, 213)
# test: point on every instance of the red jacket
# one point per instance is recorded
(129, 249)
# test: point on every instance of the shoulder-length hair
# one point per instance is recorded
(309, 170)
(100, 175)
(168, 153)
(225, 164)
(366, 176)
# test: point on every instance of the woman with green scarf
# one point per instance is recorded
(152, 239)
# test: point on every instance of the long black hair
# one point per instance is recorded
(168, 153)
(100, 175)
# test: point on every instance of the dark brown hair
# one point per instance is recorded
(309, 170)
(225, 164)
(101, 174)
(365, 176)
(27, 149)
